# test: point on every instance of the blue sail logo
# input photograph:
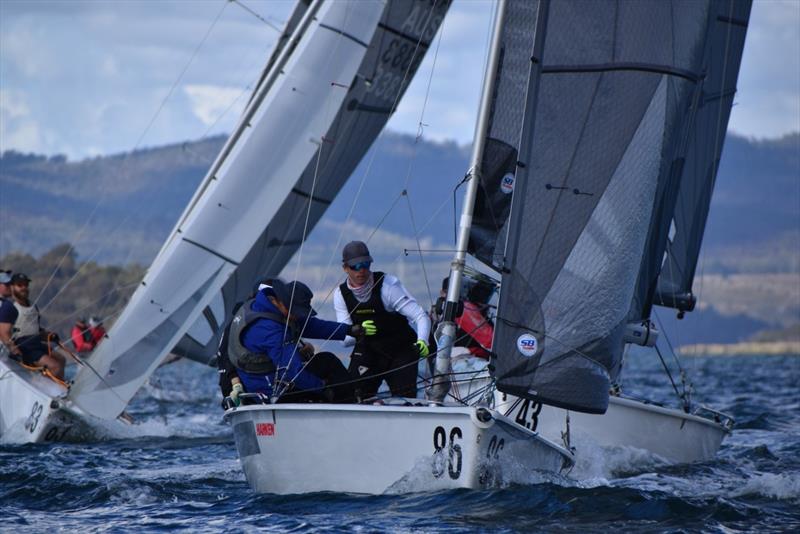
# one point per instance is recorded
(507, 183)
(527, 345)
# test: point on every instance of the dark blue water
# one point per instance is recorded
(177, 470)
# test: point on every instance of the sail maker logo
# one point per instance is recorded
(507, 183)
(527, 345)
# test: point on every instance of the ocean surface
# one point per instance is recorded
(176, 469)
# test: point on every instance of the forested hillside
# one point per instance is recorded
(117, 210)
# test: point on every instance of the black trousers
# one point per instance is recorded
(370, 365)
(32, 348)
(338, 384)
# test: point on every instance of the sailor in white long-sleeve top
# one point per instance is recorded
(379, 303)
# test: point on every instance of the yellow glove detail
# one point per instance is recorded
(369, 328)
(422, 347)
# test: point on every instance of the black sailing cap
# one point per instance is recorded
(355, 252)
(301, 301)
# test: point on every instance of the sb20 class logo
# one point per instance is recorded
(527, 345)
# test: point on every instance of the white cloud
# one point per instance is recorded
(12, 105)
(210, 102)
(94, 73)
(767, 102)
(18, 130)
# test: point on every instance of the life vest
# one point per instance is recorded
(393, 327)
(240, 356)
(27, 323)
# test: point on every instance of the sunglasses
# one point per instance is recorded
(360, 265)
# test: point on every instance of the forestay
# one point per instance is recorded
(725, 43)
(399, 44)
(244, 190)
(611, 82)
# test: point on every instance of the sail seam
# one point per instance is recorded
(623, 66)
(303, 194)
(211, 251)
(733, 21)
(398, 33)
(345, 34)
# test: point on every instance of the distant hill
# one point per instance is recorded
(119, 209)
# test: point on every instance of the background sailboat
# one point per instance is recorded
(225, 220)
(615, 193)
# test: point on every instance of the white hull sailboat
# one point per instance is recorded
(412, 445)
(580, 244)
(673, 435)
(303, 448)
(34, 407)
(215, 252)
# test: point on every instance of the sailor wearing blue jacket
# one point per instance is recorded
(265, 346)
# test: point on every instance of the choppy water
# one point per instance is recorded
(177, 470)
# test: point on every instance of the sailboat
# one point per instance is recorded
(331, 83)
(406, 443)
(601, 125)
(616, 196)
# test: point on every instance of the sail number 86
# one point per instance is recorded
(440, 442)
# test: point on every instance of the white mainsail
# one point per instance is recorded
(241, 194)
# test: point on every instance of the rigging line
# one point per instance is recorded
(86, 263)
(381, 140)
(564, 345)
(330, 112)
(386, 214)
(78, 312)
(672, 381)
(433, 216)
(75, 275)
(424, 100)
(266, 244)
(415, 362)
(381, 136)
(139, 140)
(667, 338)
(419, 246)
(256, 15)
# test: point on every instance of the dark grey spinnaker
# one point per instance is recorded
(706, 137)
(610, 84)
(399, 44)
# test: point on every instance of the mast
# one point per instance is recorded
(445, 333)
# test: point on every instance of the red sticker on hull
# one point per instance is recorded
(265, 429)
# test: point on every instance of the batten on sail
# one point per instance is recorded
(241, 195)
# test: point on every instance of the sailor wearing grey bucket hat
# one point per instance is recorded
(379, 303)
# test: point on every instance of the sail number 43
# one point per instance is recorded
(522, 418)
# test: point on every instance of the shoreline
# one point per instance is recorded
(752, 348)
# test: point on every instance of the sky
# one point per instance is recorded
(88, 78)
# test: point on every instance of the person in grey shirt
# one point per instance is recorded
(380, 304)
